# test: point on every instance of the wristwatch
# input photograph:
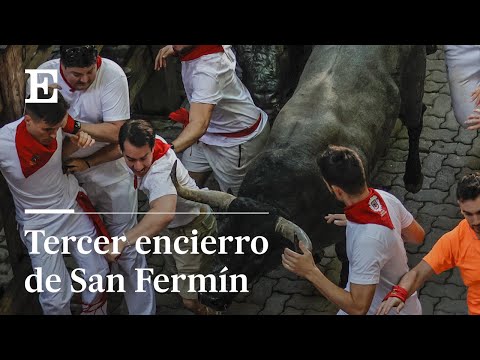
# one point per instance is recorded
(76, 127)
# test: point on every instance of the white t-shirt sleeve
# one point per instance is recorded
(367, 261)
(115, 100)
(406, 218)
(158, 184)
(206, 88)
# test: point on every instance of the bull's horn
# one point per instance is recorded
(292, 232)
(216, 199)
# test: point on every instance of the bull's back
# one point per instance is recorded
(347, 95)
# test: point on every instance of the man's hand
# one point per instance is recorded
(55, 86)
(82, 140)
(473, 120)
(161, 59)
(337, 219)
(387, 305)
(300, 264)
(476, 96)
(110, 255)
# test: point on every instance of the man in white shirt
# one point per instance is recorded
(31, 162)
(97, 91)
(377, 226)
(150, 161)
(224, 130)
(463, 72)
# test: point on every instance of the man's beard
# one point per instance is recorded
(476, 229)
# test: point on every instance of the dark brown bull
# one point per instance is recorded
(347, 95)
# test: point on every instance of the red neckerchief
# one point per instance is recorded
(201, 50)
(99, 63)
(31, 153)
(87, 206)
(371, 210)
(181, 115)
(159, 150)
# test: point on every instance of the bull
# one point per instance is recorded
(346, 95)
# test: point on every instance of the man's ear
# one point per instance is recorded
(28, 119)
(338, 191)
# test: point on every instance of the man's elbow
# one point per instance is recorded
(415, 236)
(169, 218)
(200, 129)
(420, 238)
(360, 310)
(115, 131)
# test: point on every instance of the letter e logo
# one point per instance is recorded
(35, 84)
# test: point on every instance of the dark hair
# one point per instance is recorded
(51, 113)
(469, 187)
(78, 55)
(343, 167)
(138, 133)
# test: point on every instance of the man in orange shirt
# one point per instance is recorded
(459, 247)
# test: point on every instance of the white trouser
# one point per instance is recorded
(229, 164)
(58, 303)
(463, 69)
(118, 197)
(138, 303)
(122, 197)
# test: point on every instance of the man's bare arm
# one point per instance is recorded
(413, 233)
(106, 132)
(150, 225)
(411, 282)
(357, 301)
(200, 115)
(108, 153)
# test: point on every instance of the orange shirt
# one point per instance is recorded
(461, 248)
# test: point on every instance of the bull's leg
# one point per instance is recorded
(412, 108)
(413, 178)
(341, 250)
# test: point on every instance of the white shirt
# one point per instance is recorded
(211, 79)
(377, 255)
(106, 99)
(47, 188)
(157, 183)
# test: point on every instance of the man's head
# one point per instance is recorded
(44, 119)
(342, 171)
(79, 65)
(468, 198)
(136, 139)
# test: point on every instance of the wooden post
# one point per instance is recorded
(12, 83)
(15, 300)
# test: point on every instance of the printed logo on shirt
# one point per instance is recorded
(35, 158)
(375, 205)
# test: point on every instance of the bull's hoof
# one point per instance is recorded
(213, 302)
(413, 186)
